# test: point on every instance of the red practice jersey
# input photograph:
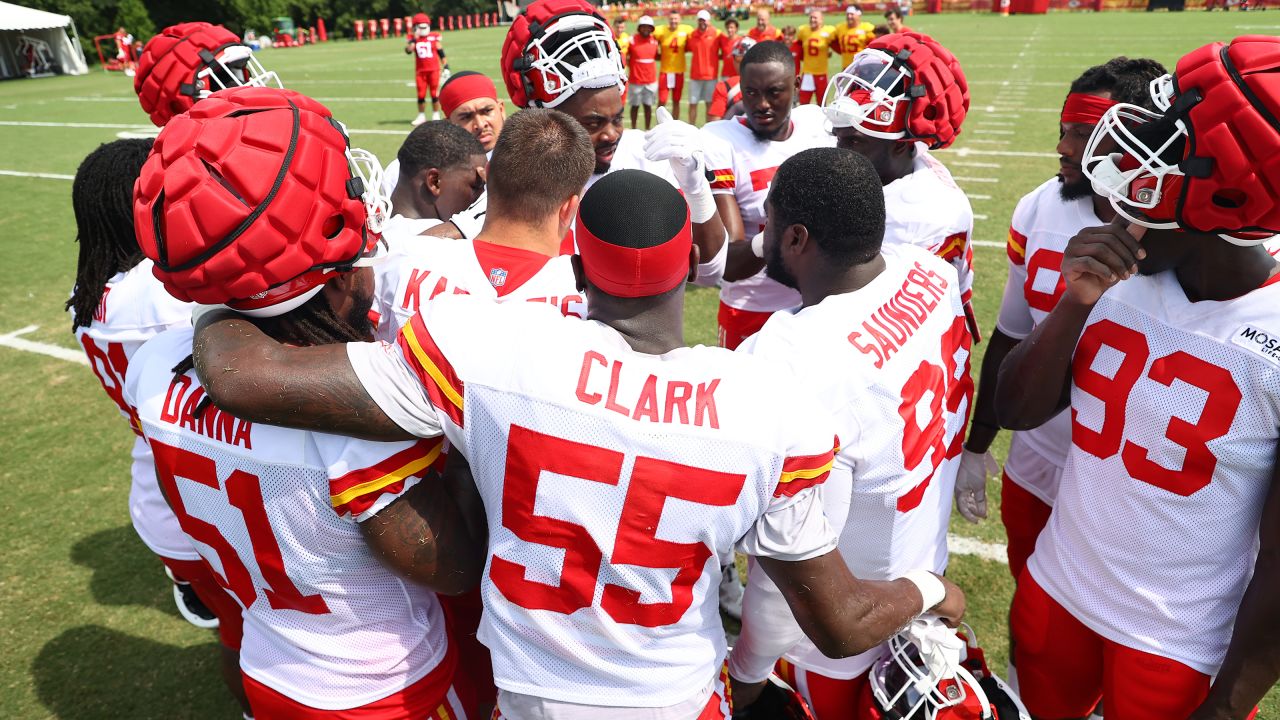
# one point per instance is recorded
(426, 52)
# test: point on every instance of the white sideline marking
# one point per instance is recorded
(986, 243)
(970, 163)
(47, 176)
(960, 545)
(140, 129)
(965, 152)
(966, 178)
(12, 340)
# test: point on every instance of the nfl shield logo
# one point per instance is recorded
(497, 277)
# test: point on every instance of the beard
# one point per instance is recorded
(775, 270)
(1076, 190)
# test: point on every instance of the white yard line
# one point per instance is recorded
(975, 196)
(967, 178)
(46, 176)
(977, 216)
(973, 164)
(149, 130)
(960, 545)
(12, 340)
(985, 131)
(987, 243)
(989, 141)
(966, 151)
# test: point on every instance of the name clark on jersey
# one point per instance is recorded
(675, 396)
(893, 323)
(180, 404)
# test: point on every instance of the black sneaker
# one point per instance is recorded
(190, 606)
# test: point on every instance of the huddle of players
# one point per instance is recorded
(618, 412)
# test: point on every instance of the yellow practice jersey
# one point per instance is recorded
(624, 42)
(852, 40)
(816, 46)
(673, 47)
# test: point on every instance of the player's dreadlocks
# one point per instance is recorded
(102, 197)
(1127, 79)
(311, 323)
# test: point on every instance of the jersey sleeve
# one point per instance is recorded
(392, 382)
(793, 526)
(718, 156)
(1015, 318)
(365, 477)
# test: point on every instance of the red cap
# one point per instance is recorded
(640, 253)
(421, 19)
(465, 87)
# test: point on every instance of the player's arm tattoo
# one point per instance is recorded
(1252, 664)
(434, 534)
(256, 378)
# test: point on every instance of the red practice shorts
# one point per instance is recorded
(819, 89)
(438, 696)
(1024, 516)
(829, 698)
(738, 325)
(220, 602)
(1064, 668)
(463, 614)
(676, 92)
(428, 80)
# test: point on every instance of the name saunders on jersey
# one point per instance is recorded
(1259, 341)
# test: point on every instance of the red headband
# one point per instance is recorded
(1085, 108)
(464, 89)
(635, 272)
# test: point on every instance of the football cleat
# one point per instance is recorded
(254, 198)
(903, 86)
(931, 672)
(1201, 162)
(187, 62)
(190, 606)
(555, 48)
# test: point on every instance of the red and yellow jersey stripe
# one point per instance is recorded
(805, 471)
(358, 490)
(954, 246)
(444, 387)
(723, 179)
(1016, 247)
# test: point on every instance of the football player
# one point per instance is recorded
(1154, 583)
(470, 101)
(902, 97)
(852, 35)
(749, 151)
(882, 334)
(442, 170)
(429, 66)
(583, 451)
(813, 44)
(116, 306)
(673, 39)
(1044, 220)
(186, 62)
(331, 545)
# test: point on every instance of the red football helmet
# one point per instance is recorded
(1207, 161)
(903, 86)
(186, 62)
(253, 198)
(932, 672)
(556, 47)
(421, 24)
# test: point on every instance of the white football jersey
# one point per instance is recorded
(275, 512)
(928, 210)
(1042, 225)
(892, 359)
(1175, 407)
(438, 266)
(613, 481)
(134, 308)
(744, 166)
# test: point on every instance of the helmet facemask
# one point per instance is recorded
(575, 51)
(421, 30)
(870, 95)
(1131, 159)
(234, 66)
(923, 671)
(366, 184)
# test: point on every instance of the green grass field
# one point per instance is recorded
(86, 621)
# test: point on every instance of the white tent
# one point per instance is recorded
(38, 42)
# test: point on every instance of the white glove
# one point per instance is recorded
(680, 144)
(971, 484)
(445, 74)
(471, 221)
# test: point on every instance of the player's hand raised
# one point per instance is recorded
(1099, 257)
(681, 144)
